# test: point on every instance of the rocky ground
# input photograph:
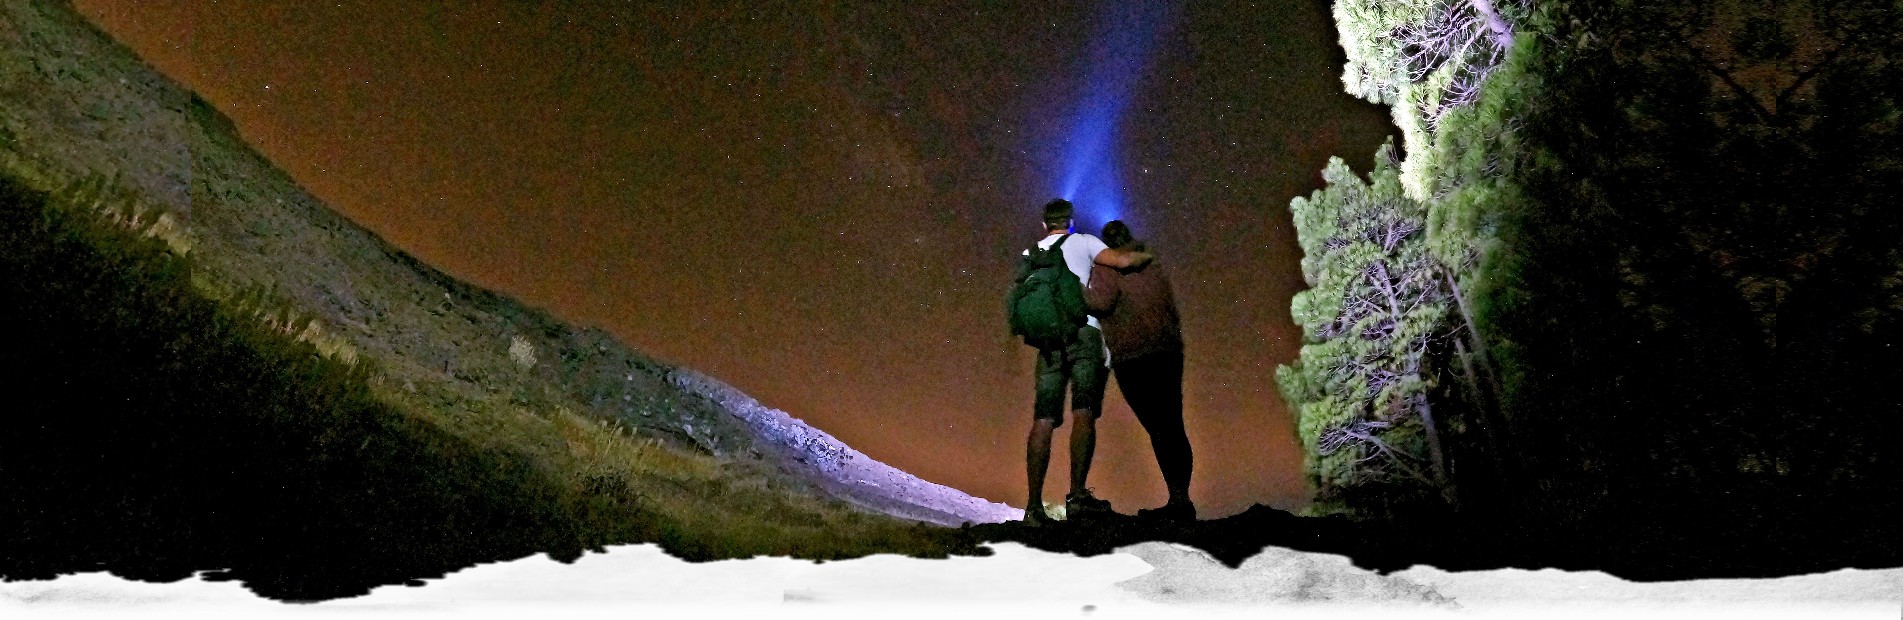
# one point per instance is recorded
(847, 473)
(1440, 541)
(1230, 540)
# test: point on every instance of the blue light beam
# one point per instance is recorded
(1091, 178)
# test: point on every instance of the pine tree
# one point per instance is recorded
(1372, 323)
(1425, 58)
(1662, 239)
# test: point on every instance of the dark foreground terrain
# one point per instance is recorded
(1447, 544)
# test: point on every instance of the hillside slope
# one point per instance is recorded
(78, 104)
(82, 117)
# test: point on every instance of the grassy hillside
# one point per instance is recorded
(74, 104)
(157, 431)
(213, 370)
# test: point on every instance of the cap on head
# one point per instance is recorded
(1057, 214)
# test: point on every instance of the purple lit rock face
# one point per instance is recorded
(847, 473)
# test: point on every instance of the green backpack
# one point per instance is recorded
(1046, 306)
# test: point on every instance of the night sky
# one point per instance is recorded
(822, 206)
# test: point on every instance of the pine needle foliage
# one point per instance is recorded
(1668, 234)
(1372, 321)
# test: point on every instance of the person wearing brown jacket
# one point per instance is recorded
(1137, 311)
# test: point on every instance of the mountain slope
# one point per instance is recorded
(82, 117)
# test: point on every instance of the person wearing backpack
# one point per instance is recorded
(1140, 325)
(1046, 308)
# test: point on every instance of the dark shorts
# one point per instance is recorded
(1079, 366)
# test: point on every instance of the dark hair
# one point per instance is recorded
(1116, 234)
(1057, 213)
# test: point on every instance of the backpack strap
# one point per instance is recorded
(1054, 247)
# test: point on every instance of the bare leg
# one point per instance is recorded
(1037, 459)
(1083, 444)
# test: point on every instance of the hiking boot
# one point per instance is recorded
(1173, 512)
(1084, 505)
(1036, 517)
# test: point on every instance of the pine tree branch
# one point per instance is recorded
(1783, 98)
(1756, 106)
(1395, 457)
(1502, 33)
(1381, 278)
(1479, 343)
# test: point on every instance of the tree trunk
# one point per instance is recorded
(1433, 444)
(1479, 345)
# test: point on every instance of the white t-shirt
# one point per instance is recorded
(1080, 252)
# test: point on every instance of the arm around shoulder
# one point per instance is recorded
(1123, 259)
